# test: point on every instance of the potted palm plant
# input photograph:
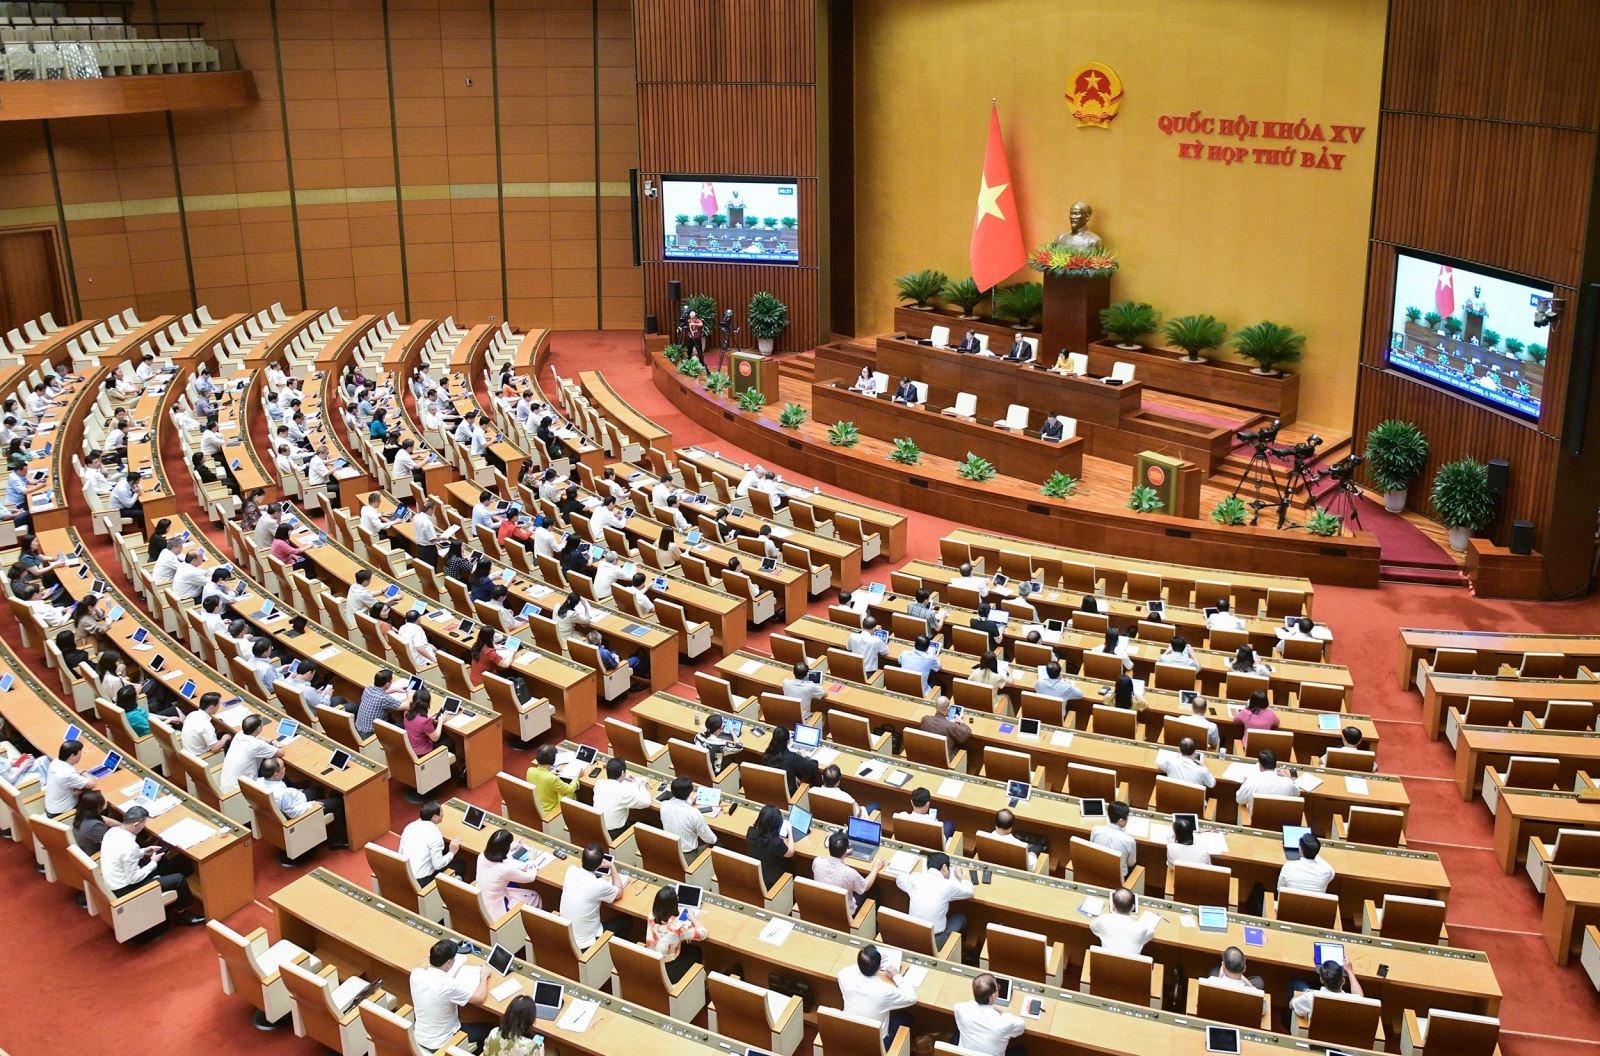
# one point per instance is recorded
(1515, 347)
(1536, 354)
(768, 317)
(1461, 499)
(1413, 315)
(965, 294)
(1490, 338)
(1020, 301)
(1195, 334)
(1431, 321)
(1269, 346)
(1452, 327)
(921, 287)
(1128, 321)
(1396, 453)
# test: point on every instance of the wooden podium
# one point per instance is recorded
(752, 370)
(1072, 308)
(1176, 481)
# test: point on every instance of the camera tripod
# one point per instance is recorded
(1262, 476)
(1298, 475)
(1340, 501)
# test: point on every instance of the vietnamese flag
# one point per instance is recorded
(708, 198)
(996, 227)
(1444, 291)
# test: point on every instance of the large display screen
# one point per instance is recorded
(1470, 331)
(723, 218)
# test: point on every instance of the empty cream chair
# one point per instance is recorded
(1539, 772)
(323, 1005)
(880, 382)
(754, 1015)
(1135, 980)
(1579, 848)
(966, 406)
(940, 336)
(1407, 919)
(642, 979)
(1455, 1033)
(1016, 418)
(1122, 372)
(250, 966)
(1023, 954)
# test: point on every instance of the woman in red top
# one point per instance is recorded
(422, 731)
(287, 552)
(485, 657)
(673, 933)
(1257, 714)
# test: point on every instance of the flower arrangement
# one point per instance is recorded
(1054, 258)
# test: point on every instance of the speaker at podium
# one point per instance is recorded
(752, 370)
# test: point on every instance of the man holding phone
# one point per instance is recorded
(126, 866)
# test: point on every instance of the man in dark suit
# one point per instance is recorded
(1051, 430)
(906, 392)
(1021, 351)
(986, 625)
(970, 343)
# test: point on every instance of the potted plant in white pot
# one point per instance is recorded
(1195, 334)
(921, 288)
(964, 294)
(1020, 301)
(1396, 453)
(1128, 321)
(1461, 499)
(1270, 346)
(768, 318)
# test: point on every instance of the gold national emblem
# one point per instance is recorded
(1094, 91)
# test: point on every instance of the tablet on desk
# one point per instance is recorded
(1027, 727)
(1002, 990)
(1093, 808)
(140, 636)
(1222, 1039)
(1327, 951)
(1213, 918)
(500, 960)
(689, 896)
(6, 682)
(473, 818)
(586, 754)
(339, 760)
(1018, 790)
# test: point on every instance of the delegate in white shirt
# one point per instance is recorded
(582, 892)
(422, 846)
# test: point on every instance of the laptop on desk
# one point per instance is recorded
(806, 738)
(865, 839)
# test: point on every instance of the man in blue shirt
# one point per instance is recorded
(377, 701)
(921, 659)
(483, 514)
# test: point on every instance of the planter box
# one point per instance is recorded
(1220, 381)
(914, 322)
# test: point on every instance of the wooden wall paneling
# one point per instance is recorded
(748, 41)
(748, 129)
(1511, 196)
(1539, 61)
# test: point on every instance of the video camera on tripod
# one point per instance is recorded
(1302, 452)
(1261, 437)
(1344, 469)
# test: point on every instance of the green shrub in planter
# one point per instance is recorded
(1230, 510)
(674, 354)
(965, 294)
(1515, 347)
(691, 368)
(1413, 315)
(704, 305)
(976, 469)
(905, 451)
(789, 223)
(1323, 523)
(793, 416)
(769, 221)
(921, 287)
(752, 400)
(1431, 320)
(1536, 354)
(768, 316)
(1452, 327)
(719, 219)
(1128, 321)
(718, 382)
(1396, 453)
(1490, 339)
(700, 219)
(844, 434)
(1270, 346)
(1059, 486)
(681, 218)
(1144, 499)
(1461, 495)
(1022, 301)
(1195, 334)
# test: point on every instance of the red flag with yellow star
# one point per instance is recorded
(996, 229)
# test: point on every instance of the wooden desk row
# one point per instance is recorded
(1419, 976)
(1185, 580)
(1493, 649)
(1441, 692)
(224, 876)
(364, 784)
(1311, 735)
(1478, 747)
(893, 528)
(347, 925)
(617, 410)
(1134, 761)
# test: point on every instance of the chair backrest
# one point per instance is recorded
(1003, 764)
(1461, 1033)
(842, 1032)
(659, 852)
(1576, 847)
(846, 665)
(1240, 685)
(1375, 825)
(1543, 665)
(1306, 907)
(1104, 666)
(714, 692)
(627, 741)
(822, 904)
(1017, 416)
(1274, 812)
(764, 784)
(239, 963)
(1113, 722)
(1229, 1004)
(550, 935)
(391, 875)
(1024, 953)
(1280, 741)
(905, 931)
(738, 876)
(1344, 1019)
(1569, 715)
(1307, 649)
(1175, 677)
(389, 1033)
(921, 831)
(779, 710)
(966, 404)
(991, 848)
(691, 761)
(929, 749)
(1489, 711)
(641, 976)
(1092, 864)
(1091, 782)
(744, 1010)
(787, 649)
(1412, 919)
(1121, 371)
(1357, 759)
(849, 730)
(1455, 661)
(1201, 885)
(1119, 976)
(939, 335)
(585, 825)
(1532, 771)
(461, 901)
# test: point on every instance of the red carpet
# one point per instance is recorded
(169, 989)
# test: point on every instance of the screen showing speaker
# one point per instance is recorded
(731, 219)
(1470, 330)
